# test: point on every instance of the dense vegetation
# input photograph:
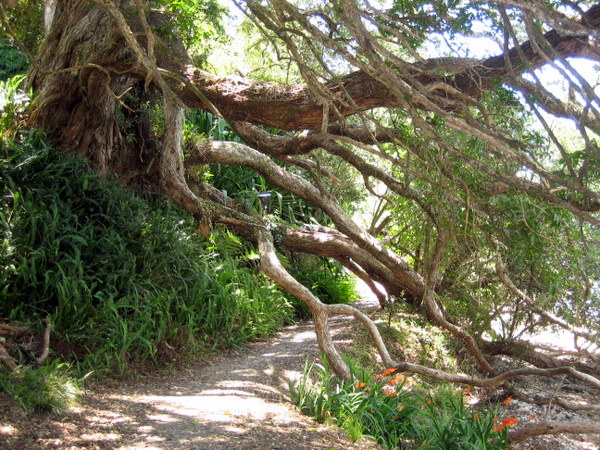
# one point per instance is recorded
(447, 150)
(125, 279)
(391, 410)
(119, 273)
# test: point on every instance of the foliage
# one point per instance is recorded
(13, 102)
(494, 174)
(198, 22)
(27, 22)
(12, 60)
(385, 407)
(327, 280)
(125, 279)
(47, 389)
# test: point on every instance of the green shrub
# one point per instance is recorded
(47, 389)
(12, 60)
(327, 280)
(125, 279)
(385, 410)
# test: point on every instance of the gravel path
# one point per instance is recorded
(236, 401)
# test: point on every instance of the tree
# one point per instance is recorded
(484, 207)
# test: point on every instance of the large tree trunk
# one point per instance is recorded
(89, 97)
(76, 85)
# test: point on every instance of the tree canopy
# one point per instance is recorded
(472, 126)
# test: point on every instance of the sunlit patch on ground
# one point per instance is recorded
(235, 402)
(9, 430)
(100, 437)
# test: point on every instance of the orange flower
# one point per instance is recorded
(394, 417)
(360, 385)
(475, 417)
(508, 400)
(386, 372)
(372, 411)
(421, 406)
(393, 381)
(494, 420)
(509, 421)
(400, 408)
(429, 402)
(392, 394)
(505, 423)
(468, 389)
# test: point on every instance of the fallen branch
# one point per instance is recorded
(20, 339)
(7, 361)
(553, 428)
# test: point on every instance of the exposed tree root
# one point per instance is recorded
(20, 339)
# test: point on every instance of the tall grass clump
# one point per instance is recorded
(47, 389)
(124, 279)
(384, 408)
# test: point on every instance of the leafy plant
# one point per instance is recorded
(384, 408)
(13, 102)
(125, 279)
(12, 61)
(326, 279)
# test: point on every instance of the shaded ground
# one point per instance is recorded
(237, 401)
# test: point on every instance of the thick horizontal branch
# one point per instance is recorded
(340, 247)
(297, 108)
(240, 154)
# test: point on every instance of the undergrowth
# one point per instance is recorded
(396, 412)
(124, 279)
(47, 389)
(327, 280)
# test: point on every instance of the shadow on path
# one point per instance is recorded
(236, 401)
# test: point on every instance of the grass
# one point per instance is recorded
(47, 389)
(409, 337)
(326, 280)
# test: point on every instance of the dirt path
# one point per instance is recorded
(234, 401)
(237, 401)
